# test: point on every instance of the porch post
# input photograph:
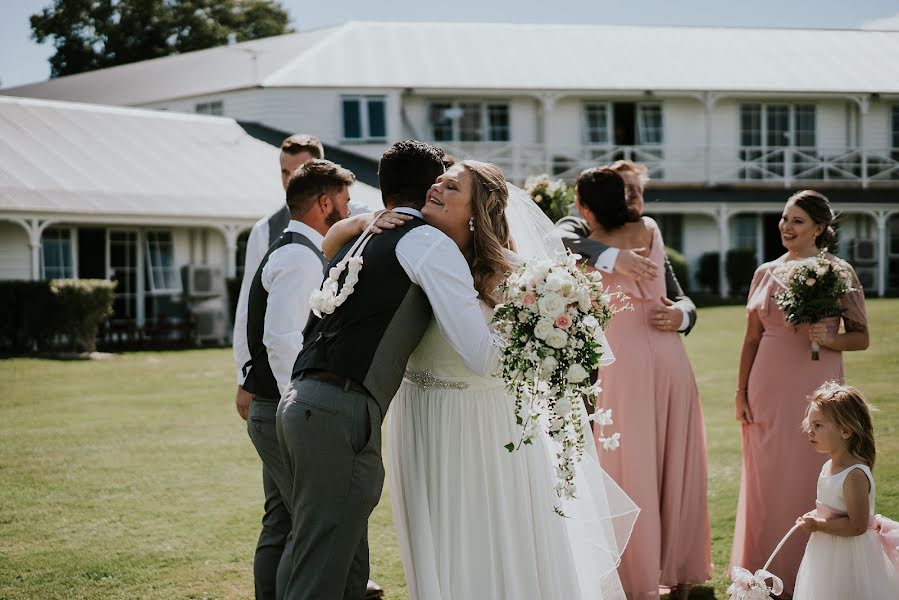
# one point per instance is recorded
(723, 219)
(231, 233)
(547, 105)
(881, 217)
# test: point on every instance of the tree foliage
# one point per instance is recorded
(94, 34)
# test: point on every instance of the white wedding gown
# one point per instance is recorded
(476, 521)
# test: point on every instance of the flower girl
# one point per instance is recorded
(850, 553)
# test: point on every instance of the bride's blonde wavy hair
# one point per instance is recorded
(491, 235)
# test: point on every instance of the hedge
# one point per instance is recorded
(680, 267)
(38, 315)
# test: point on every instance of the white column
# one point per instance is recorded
(547, 106)
(881, 217)
(231, 233)
(723, 219)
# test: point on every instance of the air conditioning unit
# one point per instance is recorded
(867, 276)
(864, 252)
(211, 321)
(202, 280)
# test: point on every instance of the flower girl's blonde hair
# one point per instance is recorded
(845, 406)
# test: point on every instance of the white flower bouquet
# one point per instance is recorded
(551, 328)
(554, 197)
(813, 288)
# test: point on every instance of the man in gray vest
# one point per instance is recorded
(329, 422)
(277, 311)
(295, 151)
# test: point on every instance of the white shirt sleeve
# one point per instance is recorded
(257, 246)
(685, 322)
(605, 262)
(290, 276)
(434, 262)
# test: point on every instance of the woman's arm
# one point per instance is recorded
(343, 231)
(855, 338)
(856, 488)
(751, 340)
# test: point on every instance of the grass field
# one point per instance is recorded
(133, 477)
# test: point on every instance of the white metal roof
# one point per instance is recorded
(78, 159)
(505, 56)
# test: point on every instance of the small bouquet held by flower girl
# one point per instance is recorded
(813, 288)
(551, 325)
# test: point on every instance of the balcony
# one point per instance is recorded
(694, 165)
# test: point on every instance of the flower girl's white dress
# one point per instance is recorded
(843, 568)
(476, 521)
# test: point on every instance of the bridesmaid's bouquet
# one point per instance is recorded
(813, 288)
(551, 325)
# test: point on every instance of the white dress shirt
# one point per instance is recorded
(257, 246)
(433, 261)
(290, 276)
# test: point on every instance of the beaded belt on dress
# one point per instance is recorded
(426, 380)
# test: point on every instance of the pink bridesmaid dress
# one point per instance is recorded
(780, 466)
(661, 463)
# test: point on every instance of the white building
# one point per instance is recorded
(132, 195)
(730, 121)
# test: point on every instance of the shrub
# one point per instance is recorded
(679, 266)
(37, 313)
(740, 265)
(707, 275)
(82, 306)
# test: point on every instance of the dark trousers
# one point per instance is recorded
(273, 549)
(330, 438)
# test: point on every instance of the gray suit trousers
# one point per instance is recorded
(330, 438)
(273, 549)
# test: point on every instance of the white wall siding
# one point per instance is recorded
(243, 105)
(566, 123)
(876, 126)
(684, 139)
(700, 236)
(15, 253)
(831, 123)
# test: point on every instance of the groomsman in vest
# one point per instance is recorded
(678, 313)
(277, 310)
(329, 422)
(296, 150)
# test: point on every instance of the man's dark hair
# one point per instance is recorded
(313, 179)
(601, 190)
(406, 171)
(301, 142)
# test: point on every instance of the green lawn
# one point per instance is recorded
(134, 478)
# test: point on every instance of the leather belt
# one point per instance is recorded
(334, 379)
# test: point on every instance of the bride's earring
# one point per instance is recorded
(471, 224)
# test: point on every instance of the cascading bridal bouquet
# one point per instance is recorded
(551, 325)
(813, 288)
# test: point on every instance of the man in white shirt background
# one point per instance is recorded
(277, 310)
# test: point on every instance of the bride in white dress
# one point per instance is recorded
(474, 520)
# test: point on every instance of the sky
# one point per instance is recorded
(24, 61)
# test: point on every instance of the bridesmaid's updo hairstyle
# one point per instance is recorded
(818, 208)
(601, 190)
(845, 406)
(491, 235)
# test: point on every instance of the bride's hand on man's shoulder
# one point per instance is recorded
(387, 219)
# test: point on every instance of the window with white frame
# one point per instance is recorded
(470, 121)
(364, 118)
(777, 125)
(56, 254)
(743, 232)
(216, 107)
(623, 123)
(162, 276)
(596, 123)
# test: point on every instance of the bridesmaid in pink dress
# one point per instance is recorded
(776, 378)
(661, 463)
